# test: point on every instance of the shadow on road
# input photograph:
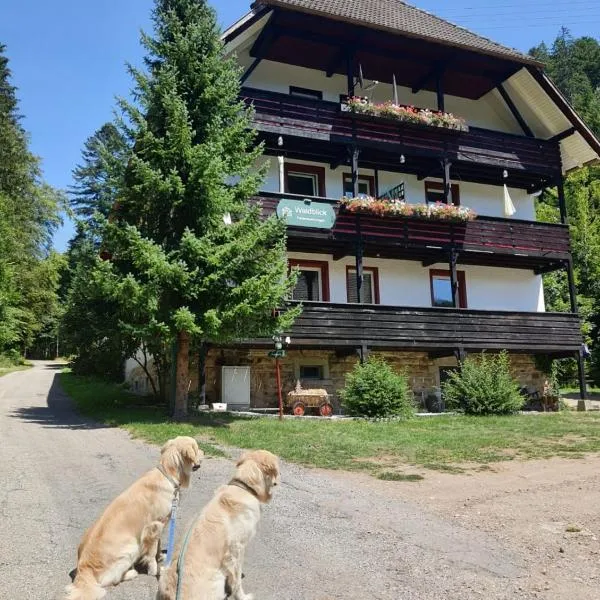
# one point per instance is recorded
(58, 412)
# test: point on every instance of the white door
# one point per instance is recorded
(235, 388)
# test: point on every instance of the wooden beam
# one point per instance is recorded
(514, 110)
(549, 268)
(562, 203)
(563, 134)
(446, 178)
(350, 56)
(581, 373)
(436, 70)
(439, 87)
(250, 69)
(454, 277)
(335, 64)
(265, 39)
(572, 288)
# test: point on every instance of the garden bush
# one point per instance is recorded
(373, 389)
(484, 386)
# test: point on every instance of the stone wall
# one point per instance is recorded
(423, 372)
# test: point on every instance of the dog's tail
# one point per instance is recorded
(85, 587)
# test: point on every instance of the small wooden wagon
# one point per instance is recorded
(300, 400)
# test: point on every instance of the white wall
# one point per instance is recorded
(485, 200)
(406, 283)
(489, 111)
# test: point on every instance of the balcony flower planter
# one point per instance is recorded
(399, 208)
(405, 114)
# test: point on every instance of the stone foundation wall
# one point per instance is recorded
(423, 372)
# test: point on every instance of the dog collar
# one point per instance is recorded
(239, 483)
(168, 477)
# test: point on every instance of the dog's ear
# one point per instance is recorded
(242, 459)
(166, 446)
(191, 453)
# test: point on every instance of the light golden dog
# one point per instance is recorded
(213, 549)
(128, 531)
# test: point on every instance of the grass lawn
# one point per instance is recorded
(8, 367)
(446, 443)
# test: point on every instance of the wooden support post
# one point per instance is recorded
(355, 155)
(582, 383)
(454, 277)
(376, 181)
(359, 261)
(562, 204)
(572, 288)
(446, 179)
(440, 90)
(350, 72)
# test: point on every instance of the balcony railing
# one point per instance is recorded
(321, 120)
(509, 237)
(328, 325)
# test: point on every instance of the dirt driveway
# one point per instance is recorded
(327, 535)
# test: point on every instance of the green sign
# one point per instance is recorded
(277, 354)
(306, 213)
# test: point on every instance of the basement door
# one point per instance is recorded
(235, 387)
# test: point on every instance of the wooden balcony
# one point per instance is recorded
(486, 240)
(327, 325)
(476, 155)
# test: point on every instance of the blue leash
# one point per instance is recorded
(181, 558)
(171, 542)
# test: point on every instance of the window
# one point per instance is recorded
(311, 372)
(366, 185)
(434, 192)
(313, 281)
(305, 93)
(441, 290)
(305, 180)
(370, 286)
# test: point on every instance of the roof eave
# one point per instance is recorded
(557, 96)
(524, 59)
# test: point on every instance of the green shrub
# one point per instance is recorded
(484, 386)
(373, 389)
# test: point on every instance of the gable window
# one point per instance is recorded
(441, 288)
(305, 180)
(313, 281)
(434, 192)
(305, 93)
(366, 185)
(370, 286)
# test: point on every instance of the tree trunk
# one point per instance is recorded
(202, 372)
(182, 376)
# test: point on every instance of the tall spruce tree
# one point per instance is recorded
(191, 259)
(99, 177)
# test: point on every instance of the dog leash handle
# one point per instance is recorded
(171, 542)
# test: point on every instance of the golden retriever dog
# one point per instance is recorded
(210, 558)
(128, 532)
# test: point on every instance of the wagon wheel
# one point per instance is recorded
(299, 408)
(325, 409)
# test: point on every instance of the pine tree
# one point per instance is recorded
(191, 259)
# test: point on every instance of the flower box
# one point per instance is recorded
(382, 208)
(404, 114)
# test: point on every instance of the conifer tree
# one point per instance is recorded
(191, 259)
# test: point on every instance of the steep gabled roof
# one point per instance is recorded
(398, 17)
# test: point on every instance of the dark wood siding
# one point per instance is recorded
(506, 237)
(320, 120)
(325, 325)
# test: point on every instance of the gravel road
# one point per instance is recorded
(325, 536)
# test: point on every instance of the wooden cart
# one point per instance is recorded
(300, 400)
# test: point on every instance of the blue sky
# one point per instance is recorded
(68, 58)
